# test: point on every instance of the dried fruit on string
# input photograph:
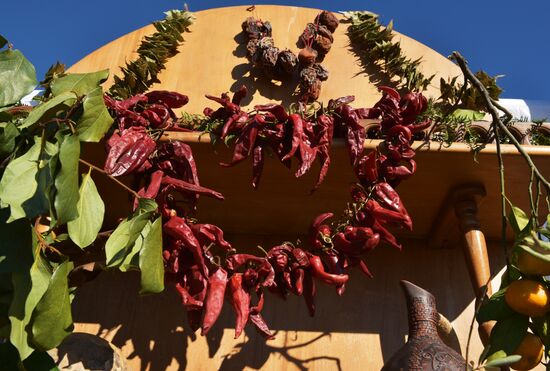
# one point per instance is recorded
(328, 20)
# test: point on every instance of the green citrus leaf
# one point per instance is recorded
(52, 320)
(495, 308)
(66, 181)
(18, 183)
(506, 336)
(95, 120)
(15, 244)
(49, 109)
(79, 83)
(125, 235)
(90, 207)
(151, 263)
(28, 287)
(504, 361)
(518, 219)
(17, 77)
(8, 134)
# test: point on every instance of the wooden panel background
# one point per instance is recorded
(212, 60)
(355, 332)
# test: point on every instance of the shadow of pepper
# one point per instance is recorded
(257, 82)
(261, 350)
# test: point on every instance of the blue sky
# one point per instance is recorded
(509, 38)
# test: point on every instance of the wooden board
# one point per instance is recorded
(358, 331)
(212, 60)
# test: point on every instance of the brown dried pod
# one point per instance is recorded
(308, 76)
(323, 31)
(269, 57)
(286, 63)
(328, 20)
(311, 93)
(322, 72)
(251, 48)
(307, 56)
(307, 35)
(322, 45)
(255, 28)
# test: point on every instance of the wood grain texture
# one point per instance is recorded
(212, 60)
(359, 330)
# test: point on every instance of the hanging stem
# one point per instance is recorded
(134, 193)
(492, 107)
(502, 198)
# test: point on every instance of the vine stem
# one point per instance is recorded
(130, 190)
(492, 108)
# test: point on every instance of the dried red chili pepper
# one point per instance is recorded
(319, 272)
(387, 216)
(214, 299)
(389, 197)
(129, 151)
(177, 228)
(240, 300)
(209, 233)
(183, 186)
(169, 98)
(319, 233)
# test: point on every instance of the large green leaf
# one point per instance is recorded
(79, 83)
(506, 336)
(17, 77)
(95, 120)
(150, 260)
(15, 244)
(90, 207)
(49, 108)
(127, 232)
(517, 218)
(52, 320)
(131, 260)
(495, 308)
(28, 287)
(66, 181)
(18, 183)
(8, 134)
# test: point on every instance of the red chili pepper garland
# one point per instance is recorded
(200, 262)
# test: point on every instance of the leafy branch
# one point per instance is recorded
(153, 53)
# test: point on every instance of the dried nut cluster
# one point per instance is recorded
(283, 64)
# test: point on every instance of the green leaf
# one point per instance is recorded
(18, 183)
(151, 263)
(49, 108)
(95, 120)
(8, 134)
(467, 115)
(507, 335)
(504, 361)
(518, 219)
(52, 320)
(28, 287)
(495, 308)
(15, 244)
(90, 207)
(79, 83)
(131, 260)
(17, 77)
(127, 232)
(66, 182)
(541, 327)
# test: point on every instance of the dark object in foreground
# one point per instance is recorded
(424, 350)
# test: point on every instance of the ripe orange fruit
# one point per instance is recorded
(528, 297)
(531, 265)
(531, 351)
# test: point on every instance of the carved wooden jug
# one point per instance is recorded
(424, 349)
